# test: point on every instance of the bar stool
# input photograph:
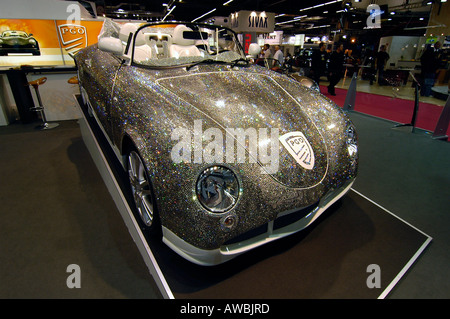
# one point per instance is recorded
(73, 80)
(45, 125)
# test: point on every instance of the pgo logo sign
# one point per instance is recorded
(73, 37)
(299, 147)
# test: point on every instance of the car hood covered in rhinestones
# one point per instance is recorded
(242, 99)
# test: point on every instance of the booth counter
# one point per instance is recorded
(33, 48)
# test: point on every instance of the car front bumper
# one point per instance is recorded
(231, 250)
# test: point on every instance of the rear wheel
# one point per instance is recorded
(142, 193)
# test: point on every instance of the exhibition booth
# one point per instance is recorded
(47, 34)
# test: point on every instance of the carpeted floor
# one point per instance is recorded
(56, 211)
(391, 108)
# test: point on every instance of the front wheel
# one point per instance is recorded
(142, 193)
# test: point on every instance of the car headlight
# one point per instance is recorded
(217, 189)
(32, 42)
(352, 141)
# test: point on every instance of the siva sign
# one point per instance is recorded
(252, 21)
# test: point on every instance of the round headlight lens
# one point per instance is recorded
(217, 189)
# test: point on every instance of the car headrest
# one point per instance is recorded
(128, 28)
(177, 37)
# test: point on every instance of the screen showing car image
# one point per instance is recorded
(40, 42)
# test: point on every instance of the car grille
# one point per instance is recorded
(278, 223)
(291, 218)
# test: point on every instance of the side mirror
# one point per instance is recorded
(254, 49)
(109, 44)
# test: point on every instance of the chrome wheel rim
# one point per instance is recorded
(140, 188)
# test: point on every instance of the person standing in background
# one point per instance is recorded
(430, 63)
(335, 68)
(319, 62)
(279, 55)
(382, 58)
(266, 53)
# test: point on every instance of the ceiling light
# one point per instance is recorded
(229, 1)
(319, 26)
(204, 15)
(284, 22)
(296, 19)
(320, 5)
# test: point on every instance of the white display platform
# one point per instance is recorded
(122, 205)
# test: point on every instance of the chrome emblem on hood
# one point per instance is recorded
(299, 147)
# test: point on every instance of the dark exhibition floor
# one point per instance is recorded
(56, 211)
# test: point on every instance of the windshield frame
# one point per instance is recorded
(133, 62)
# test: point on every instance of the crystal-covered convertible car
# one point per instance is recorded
(222, 155)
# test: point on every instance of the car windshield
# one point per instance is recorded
(166, 45)
(14, 34)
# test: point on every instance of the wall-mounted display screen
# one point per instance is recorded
(41, 42)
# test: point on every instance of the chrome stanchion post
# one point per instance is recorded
(440, 132)
(416, 104)
(349, 103)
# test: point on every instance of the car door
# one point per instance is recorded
(99, 84)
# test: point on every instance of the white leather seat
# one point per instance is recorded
(182, 47)
(142, 51)
(159, 43)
